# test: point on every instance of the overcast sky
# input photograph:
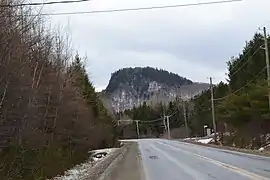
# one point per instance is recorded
(195, 42)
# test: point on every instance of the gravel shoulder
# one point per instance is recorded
(127, 166)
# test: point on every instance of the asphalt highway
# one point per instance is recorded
(174, 160)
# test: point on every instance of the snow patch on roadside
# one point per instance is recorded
(99, 154)
(194, 138)
(76, 172)
(107, 150)
(202, 140)
(205, 141)
(81, 170)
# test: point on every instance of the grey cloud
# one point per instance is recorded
(194, 42)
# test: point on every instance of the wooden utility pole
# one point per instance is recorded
(213, 110)
(168, 127)
(267, 63)
(137, 127)
(185, 118)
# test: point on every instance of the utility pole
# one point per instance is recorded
(267, 63)
(213, 110)
(138, 130)
(185, 117)
(179, 99)
(137, 125)
(168, 127)
(164, 122)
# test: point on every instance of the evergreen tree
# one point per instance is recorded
(242, 103)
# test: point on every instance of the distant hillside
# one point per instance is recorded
(130, 87)
(139, 77)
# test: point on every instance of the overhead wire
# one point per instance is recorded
(174, 110)
(156, 120)
(173, 121)
(236, 91)
(138, 9)
(257, 50)
(247, 53)
(44, 3)
(176, 107)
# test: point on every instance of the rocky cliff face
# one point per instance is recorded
(130, 87)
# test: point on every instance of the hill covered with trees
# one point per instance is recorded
(140, 76)
(130, 87)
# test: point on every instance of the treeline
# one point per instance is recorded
(50, 114)
(241, 105)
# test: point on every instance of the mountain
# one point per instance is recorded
(129, 87)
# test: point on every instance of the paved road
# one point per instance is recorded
(172, 160)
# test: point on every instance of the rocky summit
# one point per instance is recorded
(130, 87)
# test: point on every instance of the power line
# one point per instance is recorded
(198, 96)
(138, 9)
(174, 121)
(142, 121)
(156, 120)
(234, 73)
(236, 91)
(44, 3)
(174, 110)
(257, 50)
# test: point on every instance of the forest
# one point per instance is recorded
(51, 116)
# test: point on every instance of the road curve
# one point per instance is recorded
(173, 160)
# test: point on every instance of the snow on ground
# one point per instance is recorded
(187, 139)
(76, 172)
(128, 140)
(205, 141)
(99, 154)
(108, 150)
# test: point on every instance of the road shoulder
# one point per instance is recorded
(127, 166)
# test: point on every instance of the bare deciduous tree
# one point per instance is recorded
(44, 104)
